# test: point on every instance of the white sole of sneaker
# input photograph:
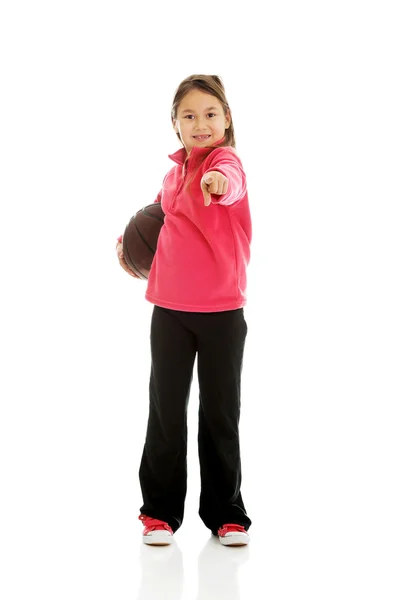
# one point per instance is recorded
(158, 538)
(234, 539)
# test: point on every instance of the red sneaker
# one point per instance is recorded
(231, 534)
(156, 532)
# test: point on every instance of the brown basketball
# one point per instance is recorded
(140, 238)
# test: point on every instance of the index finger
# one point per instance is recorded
(207, 197)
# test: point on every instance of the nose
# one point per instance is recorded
(199, 123)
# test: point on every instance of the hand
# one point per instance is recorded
(213, 183)
(120, 256)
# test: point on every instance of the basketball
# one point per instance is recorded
(140, 238)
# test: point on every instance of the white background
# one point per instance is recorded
(318, 96)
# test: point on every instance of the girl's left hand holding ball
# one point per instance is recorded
(120, 256)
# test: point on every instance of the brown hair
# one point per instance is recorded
(210, 84)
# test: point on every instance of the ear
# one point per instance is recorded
(175, 127)
(228, 120)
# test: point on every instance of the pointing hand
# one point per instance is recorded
(213, 183)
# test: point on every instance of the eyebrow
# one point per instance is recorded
(190, 110)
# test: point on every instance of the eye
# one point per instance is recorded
(213, 114)
(187, 116)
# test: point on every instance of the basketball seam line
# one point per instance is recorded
(145, 212)
(144, 240)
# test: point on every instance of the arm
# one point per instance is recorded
(230, 166)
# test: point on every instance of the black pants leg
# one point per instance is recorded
(220, 359)
(176, 337)
(163, 468)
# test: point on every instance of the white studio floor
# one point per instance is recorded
(194, 566)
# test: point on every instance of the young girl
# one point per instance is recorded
(197, 284)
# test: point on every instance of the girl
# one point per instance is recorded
(197, 284)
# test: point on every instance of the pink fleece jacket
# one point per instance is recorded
(202, 251)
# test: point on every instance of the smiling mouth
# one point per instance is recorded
(201, 137)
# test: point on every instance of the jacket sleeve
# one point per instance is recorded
(230, 166)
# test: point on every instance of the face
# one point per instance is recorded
(200, 120)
